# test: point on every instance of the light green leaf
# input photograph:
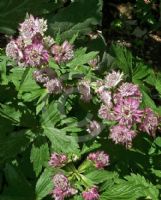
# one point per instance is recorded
(44, 184)
(39, 154)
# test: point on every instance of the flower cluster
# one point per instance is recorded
(33, 49)
(28, 49)
(99, 158)
(62, 187)
(121, 103)
(91, 194)
(58, 160)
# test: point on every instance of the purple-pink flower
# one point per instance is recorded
(113, 79)
(62, 53)
(54, 86)
(31, 26)
(127, 112)
(62, 187)
(35, 55)
(129, 90)
(106, 112)
(43, 75)
(120, 134)
(99, 158)
(149, 122)
(91, 194)
(58, 160)
(13, 51)
(105, 96)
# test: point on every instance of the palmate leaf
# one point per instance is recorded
(60, 141)
(13, 12)
(39, 154)
(123, 59)
(78, 17)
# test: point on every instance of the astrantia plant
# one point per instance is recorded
(70, 128)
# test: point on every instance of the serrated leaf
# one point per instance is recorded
(39, 154)
(124, 191)
(82, 59)
(44, 184)
(148, 189)
(60, 141)
(99, 176)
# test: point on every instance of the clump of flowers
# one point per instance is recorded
(33, 48)
(121, 103)
(58, 160)
(99, 158)
(62, 188)
(62, 53)
(91, 194)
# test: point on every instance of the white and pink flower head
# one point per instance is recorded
(99, 158)
(91, 194)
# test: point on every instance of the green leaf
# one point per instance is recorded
(60, 141)
(39, 154)
(147, 101)
(13, 144)
(123, 59)
(14, 12)
(50, 115)
(148, 189)
(18, 188)
(124, 191)
(99, 176)
(68, 21)
(3, 70)
(44, 184)
(82, 59)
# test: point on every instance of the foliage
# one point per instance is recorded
(58, 130)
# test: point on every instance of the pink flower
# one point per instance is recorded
(31, 26)
(57, 160)
(94, 128)
(120, 134)
(106, 112)
(127, 112)
(149, 122)
(43, 75)
(84, 90)
(13, 51)
(105, 96)
(35, 55)
(54, 86)
(62, 53)
(129, 90)
(94, 62)
(99, 158)
(62, 187)
(113, 79)
(91, 194)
